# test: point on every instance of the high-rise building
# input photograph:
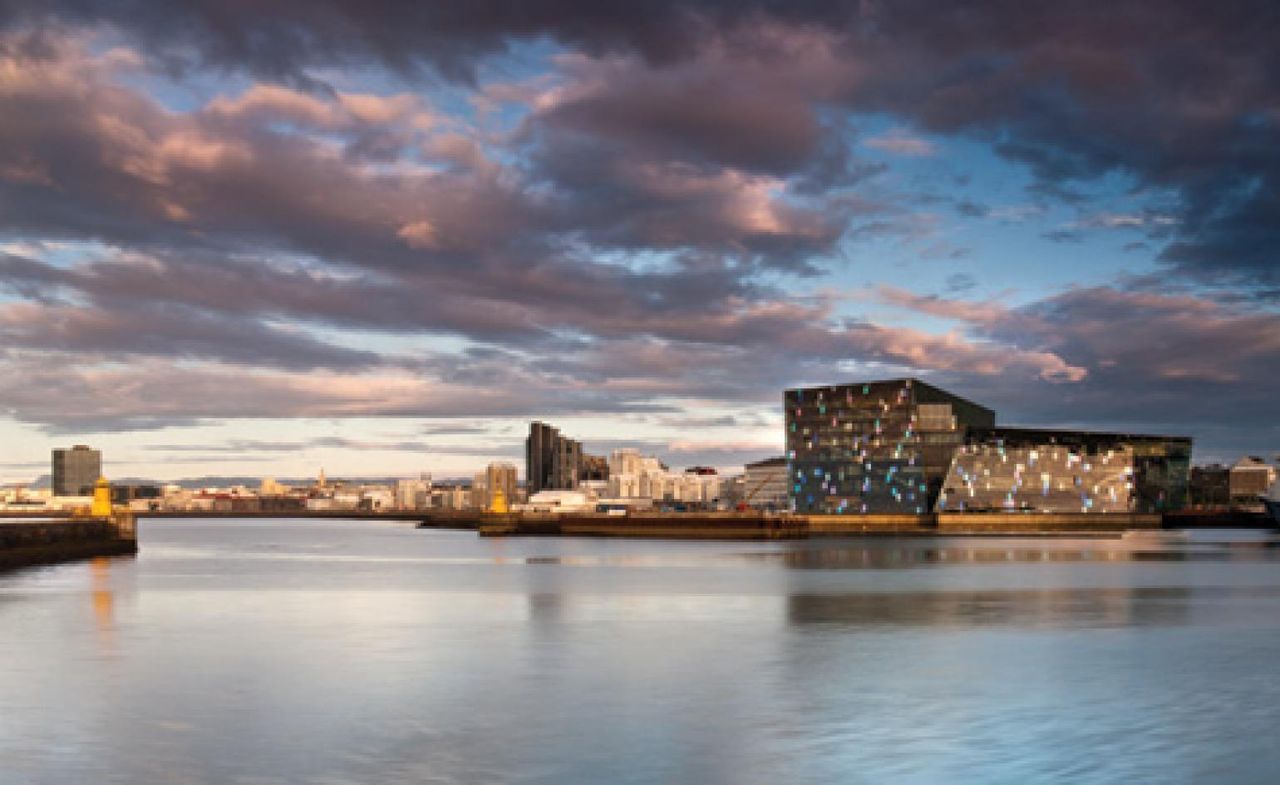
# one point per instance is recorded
(552, 461)
(875, 447)
(500, 477)
(76, 470)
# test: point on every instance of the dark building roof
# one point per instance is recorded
(1066, 435)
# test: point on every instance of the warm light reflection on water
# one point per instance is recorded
(333, 652)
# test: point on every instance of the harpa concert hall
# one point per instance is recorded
(904, 446)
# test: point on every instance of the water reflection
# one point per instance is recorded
(335, 652)
(103, 602)
(1031, 609)
(900, 554)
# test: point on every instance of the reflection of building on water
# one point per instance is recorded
(897, 557)
(546, 607)
(1091, 607)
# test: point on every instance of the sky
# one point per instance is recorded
(379, 238)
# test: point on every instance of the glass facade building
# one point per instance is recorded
(1025, 469)
(875, 447)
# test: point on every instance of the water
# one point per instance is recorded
(353, 652)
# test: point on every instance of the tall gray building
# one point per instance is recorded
(76, 470)
(552, 461)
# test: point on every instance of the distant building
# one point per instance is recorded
(500, 477)
(127, 494)
(593, 468)
(269, 487)
(414, 494)
(560, 501)
(764, 484)
(733, 490)
(479, 493)
(1250, 477)
(76, 470)
(454, 497)
(874, 447)
(1210, 486)
(552, 461)
(636, 476)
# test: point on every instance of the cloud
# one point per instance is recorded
(1176, 363)
(168, 331)
(631, 230)
(1172, 94)
(957, 283)
(899, 141)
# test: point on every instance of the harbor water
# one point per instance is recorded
(326, 652)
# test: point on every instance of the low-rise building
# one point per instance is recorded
(559, 501)
(764, 484)
(1209, 486)
(1250, 477)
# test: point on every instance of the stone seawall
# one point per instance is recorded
(25, 543)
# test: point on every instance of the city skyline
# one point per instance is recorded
(250, 244)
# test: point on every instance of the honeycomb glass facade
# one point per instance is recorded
(1022, 469)
(876, 447)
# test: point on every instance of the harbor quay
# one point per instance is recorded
(98, 529)
(27, 542)
(767, 526)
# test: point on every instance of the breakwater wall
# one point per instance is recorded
(30, 542)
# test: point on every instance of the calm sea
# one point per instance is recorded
(335, 652)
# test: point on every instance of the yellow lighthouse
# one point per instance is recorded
(101, 499)
(499, 503)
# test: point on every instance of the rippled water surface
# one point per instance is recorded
(352, 652)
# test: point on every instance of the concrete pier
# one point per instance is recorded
(28, 542)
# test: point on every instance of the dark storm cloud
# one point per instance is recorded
(282, 39)
(1179, 95)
